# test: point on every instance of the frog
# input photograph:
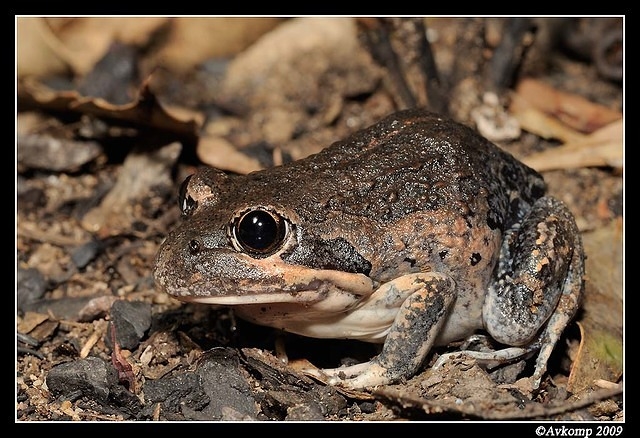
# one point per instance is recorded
(413, 233)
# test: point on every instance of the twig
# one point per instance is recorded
(528, 412)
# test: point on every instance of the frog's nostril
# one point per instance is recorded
(194, 246)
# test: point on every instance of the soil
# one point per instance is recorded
(100, 159)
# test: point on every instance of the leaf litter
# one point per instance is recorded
(316, 94)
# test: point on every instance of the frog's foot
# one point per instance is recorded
(358, 376)
(488, 359)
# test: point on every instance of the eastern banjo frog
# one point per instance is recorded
(412, 233)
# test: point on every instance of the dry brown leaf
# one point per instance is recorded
(220, 153)
(82, 42)
(56, 44)
(145, 110)
(28, 122)
(36, 50)
(298, 41)
(603, 147)
(194, 40)
(126, 371)
(543, 125)
(600, 355)
(30, 321)
(572, 109)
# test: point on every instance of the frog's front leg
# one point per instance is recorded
(538, 281)
(426, 299)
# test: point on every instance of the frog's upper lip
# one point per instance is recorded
(233, 279)
(296, 284)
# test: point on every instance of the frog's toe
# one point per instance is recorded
(488, 359)
(333, 376)
(449, 357)
(358, 376)
(363, 376)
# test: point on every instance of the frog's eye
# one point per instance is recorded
(259, 232)
(185, 201)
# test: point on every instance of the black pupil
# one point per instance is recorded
(259, 231)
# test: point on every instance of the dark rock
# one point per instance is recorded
(82, 255)
(175, 391)
(90, 376)
(295, 404)
(225, 382)
(305, 405)
(42, 151)
(131, 319)
(216, 390)
(508, 373)
(367, 407)
(31, 286)
(125, 402)
(29, 198)
(329, 399)
(300, 412)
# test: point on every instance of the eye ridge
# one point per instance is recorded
(259, 232)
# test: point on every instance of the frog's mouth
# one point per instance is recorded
(235, 279)
(302, 297)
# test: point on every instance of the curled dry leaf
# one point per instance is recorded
(126, 372)
(50, 45)
(592, 135)
(571, 109)
(36, 50)
(603, 147)
(191, 41)
(543, 125)
(305, 63)
(30, 321)
(220, 153)
(144, 111)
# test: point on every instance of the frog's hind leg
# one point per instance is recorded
(565, 311)
(538, 282)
